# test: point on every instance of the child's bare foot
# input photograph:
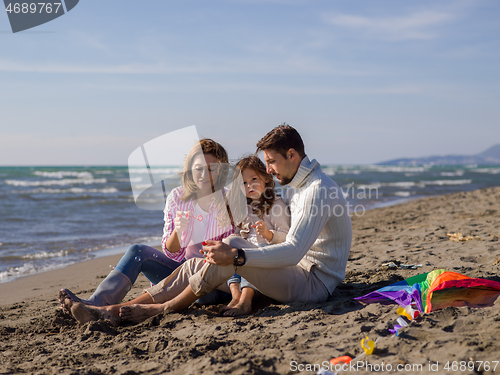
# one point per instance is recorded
(231, 304)
(139, 313)
(244, 305)
(241, 308)
(235, 294)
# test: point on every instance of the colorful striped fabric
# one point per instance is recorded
(436, 290)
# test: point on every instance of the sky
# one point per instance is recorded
(363, 81)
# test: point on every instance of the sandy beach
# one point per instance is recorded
(38, 338)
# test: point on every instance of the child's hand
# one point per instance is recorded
(262, 230)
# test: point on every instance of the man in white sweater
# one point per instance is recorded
(306, 267)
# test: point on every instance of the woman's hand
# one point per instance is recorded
(180, 224)
(262, 230)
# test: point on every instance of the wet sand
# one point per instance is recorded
(37, 337)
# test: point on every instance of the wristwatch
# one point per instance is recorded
(240, 259)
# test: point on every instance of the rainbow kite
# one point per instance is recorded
(436, 290)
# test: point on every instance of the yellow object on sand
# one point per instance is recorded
(408, 312)
(370, 345)
(460, 237)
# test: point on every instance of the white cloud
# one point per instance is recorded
(295, 90)
(417, 25)
(295, 65)
(265, 88)
(13, 66)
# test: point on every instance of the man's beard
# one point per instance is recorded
(285, 180)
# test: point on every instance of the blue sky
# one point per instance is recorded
(362, 81)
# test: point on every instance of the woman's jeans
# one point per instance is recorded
(156, 266)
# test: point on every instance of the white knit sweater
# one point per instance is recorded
(320, 233)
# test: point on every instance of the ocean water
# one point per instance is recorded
(51, 217)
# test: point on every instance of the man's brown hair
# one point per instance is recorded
(281, 139)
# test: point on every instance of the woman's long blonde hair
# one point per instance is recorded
(206, 146)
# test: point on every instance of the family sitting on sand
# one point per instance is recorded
(299, 256)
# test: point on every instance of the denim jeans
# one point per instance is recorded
(156, 266)
(238, 279)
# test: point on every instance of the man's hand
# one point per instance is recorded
(217, 252)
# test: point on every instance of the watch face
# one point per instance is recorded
(239, 259)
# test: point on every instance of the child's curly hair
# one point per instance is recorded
(263, 204)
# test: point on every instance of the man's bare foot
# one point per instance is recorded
(139, 313)
(241, 308)
(83, 313)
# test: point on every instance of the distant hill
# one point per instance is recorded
(490, 156)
